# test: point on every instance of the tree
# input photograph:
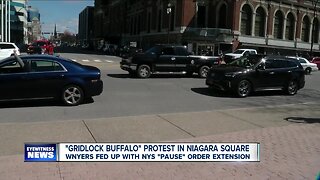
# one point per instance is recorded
(68, 37)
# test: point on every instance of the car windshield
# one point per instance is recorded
(246, 62)
(238, 52)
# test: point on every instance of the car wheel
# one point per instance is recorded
(243, 88)
(292, 87)
(72, 95)
(308, 71)
(203, 71)
(144, 71)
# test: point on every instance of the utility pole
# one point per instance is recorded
(6, 21)
(9, 22)
(2, 13)
(313, 26)
(169, 21)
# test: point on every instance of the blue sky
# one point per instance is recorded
(64, 13)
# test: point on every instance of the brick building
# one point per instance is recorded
(271, 26)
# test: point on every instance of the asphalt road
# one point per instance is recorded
(124, 96)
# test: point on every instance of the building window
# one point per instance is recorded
(139, 23)
(305, 29)
(201, 16)
(149, 22)
(135, 26)
(159, 20)
(222, 17)
(290, 27)
(278, 25)
(316, 30)
(131, 26)
(260, 21)
(172, 20)
(246, 20)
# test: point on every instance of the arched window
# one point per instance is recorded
(222, 21)
(278, 25)
(246, 20)
(201, 16)
(260, 21)
(305, 29)
(290, 27)
(316, 30)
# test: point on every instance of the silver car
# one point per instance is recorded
(307, 66)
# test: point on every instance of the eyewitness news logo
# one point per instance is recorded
(40, 152)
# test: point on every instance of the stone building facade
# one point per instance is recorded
(271, 26)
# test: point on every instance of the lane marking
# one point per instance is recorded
(108, 61)
(85, 60)
(97, 60)
(74, 60)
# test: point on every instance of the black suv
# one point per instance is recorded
(256, 73)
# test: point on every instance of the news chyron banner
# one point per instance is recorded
(143, 152)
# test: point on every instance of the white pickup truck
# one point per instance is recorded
(229, 57)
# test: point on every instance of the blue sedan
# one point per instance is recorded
(43, 77)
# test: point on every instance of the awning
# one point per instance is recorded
(277, 47)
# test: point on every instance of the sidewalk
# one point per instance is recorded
(289, 149)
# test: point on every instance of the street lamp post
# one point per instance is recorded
(169, 21)
(313, 26)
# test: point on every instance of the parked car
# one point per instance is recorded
(257, 73)
(44, 77)
(41, 47)
(307, 66)
(316, 60)
(168, 58)
(8, 49)
(229, 57)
